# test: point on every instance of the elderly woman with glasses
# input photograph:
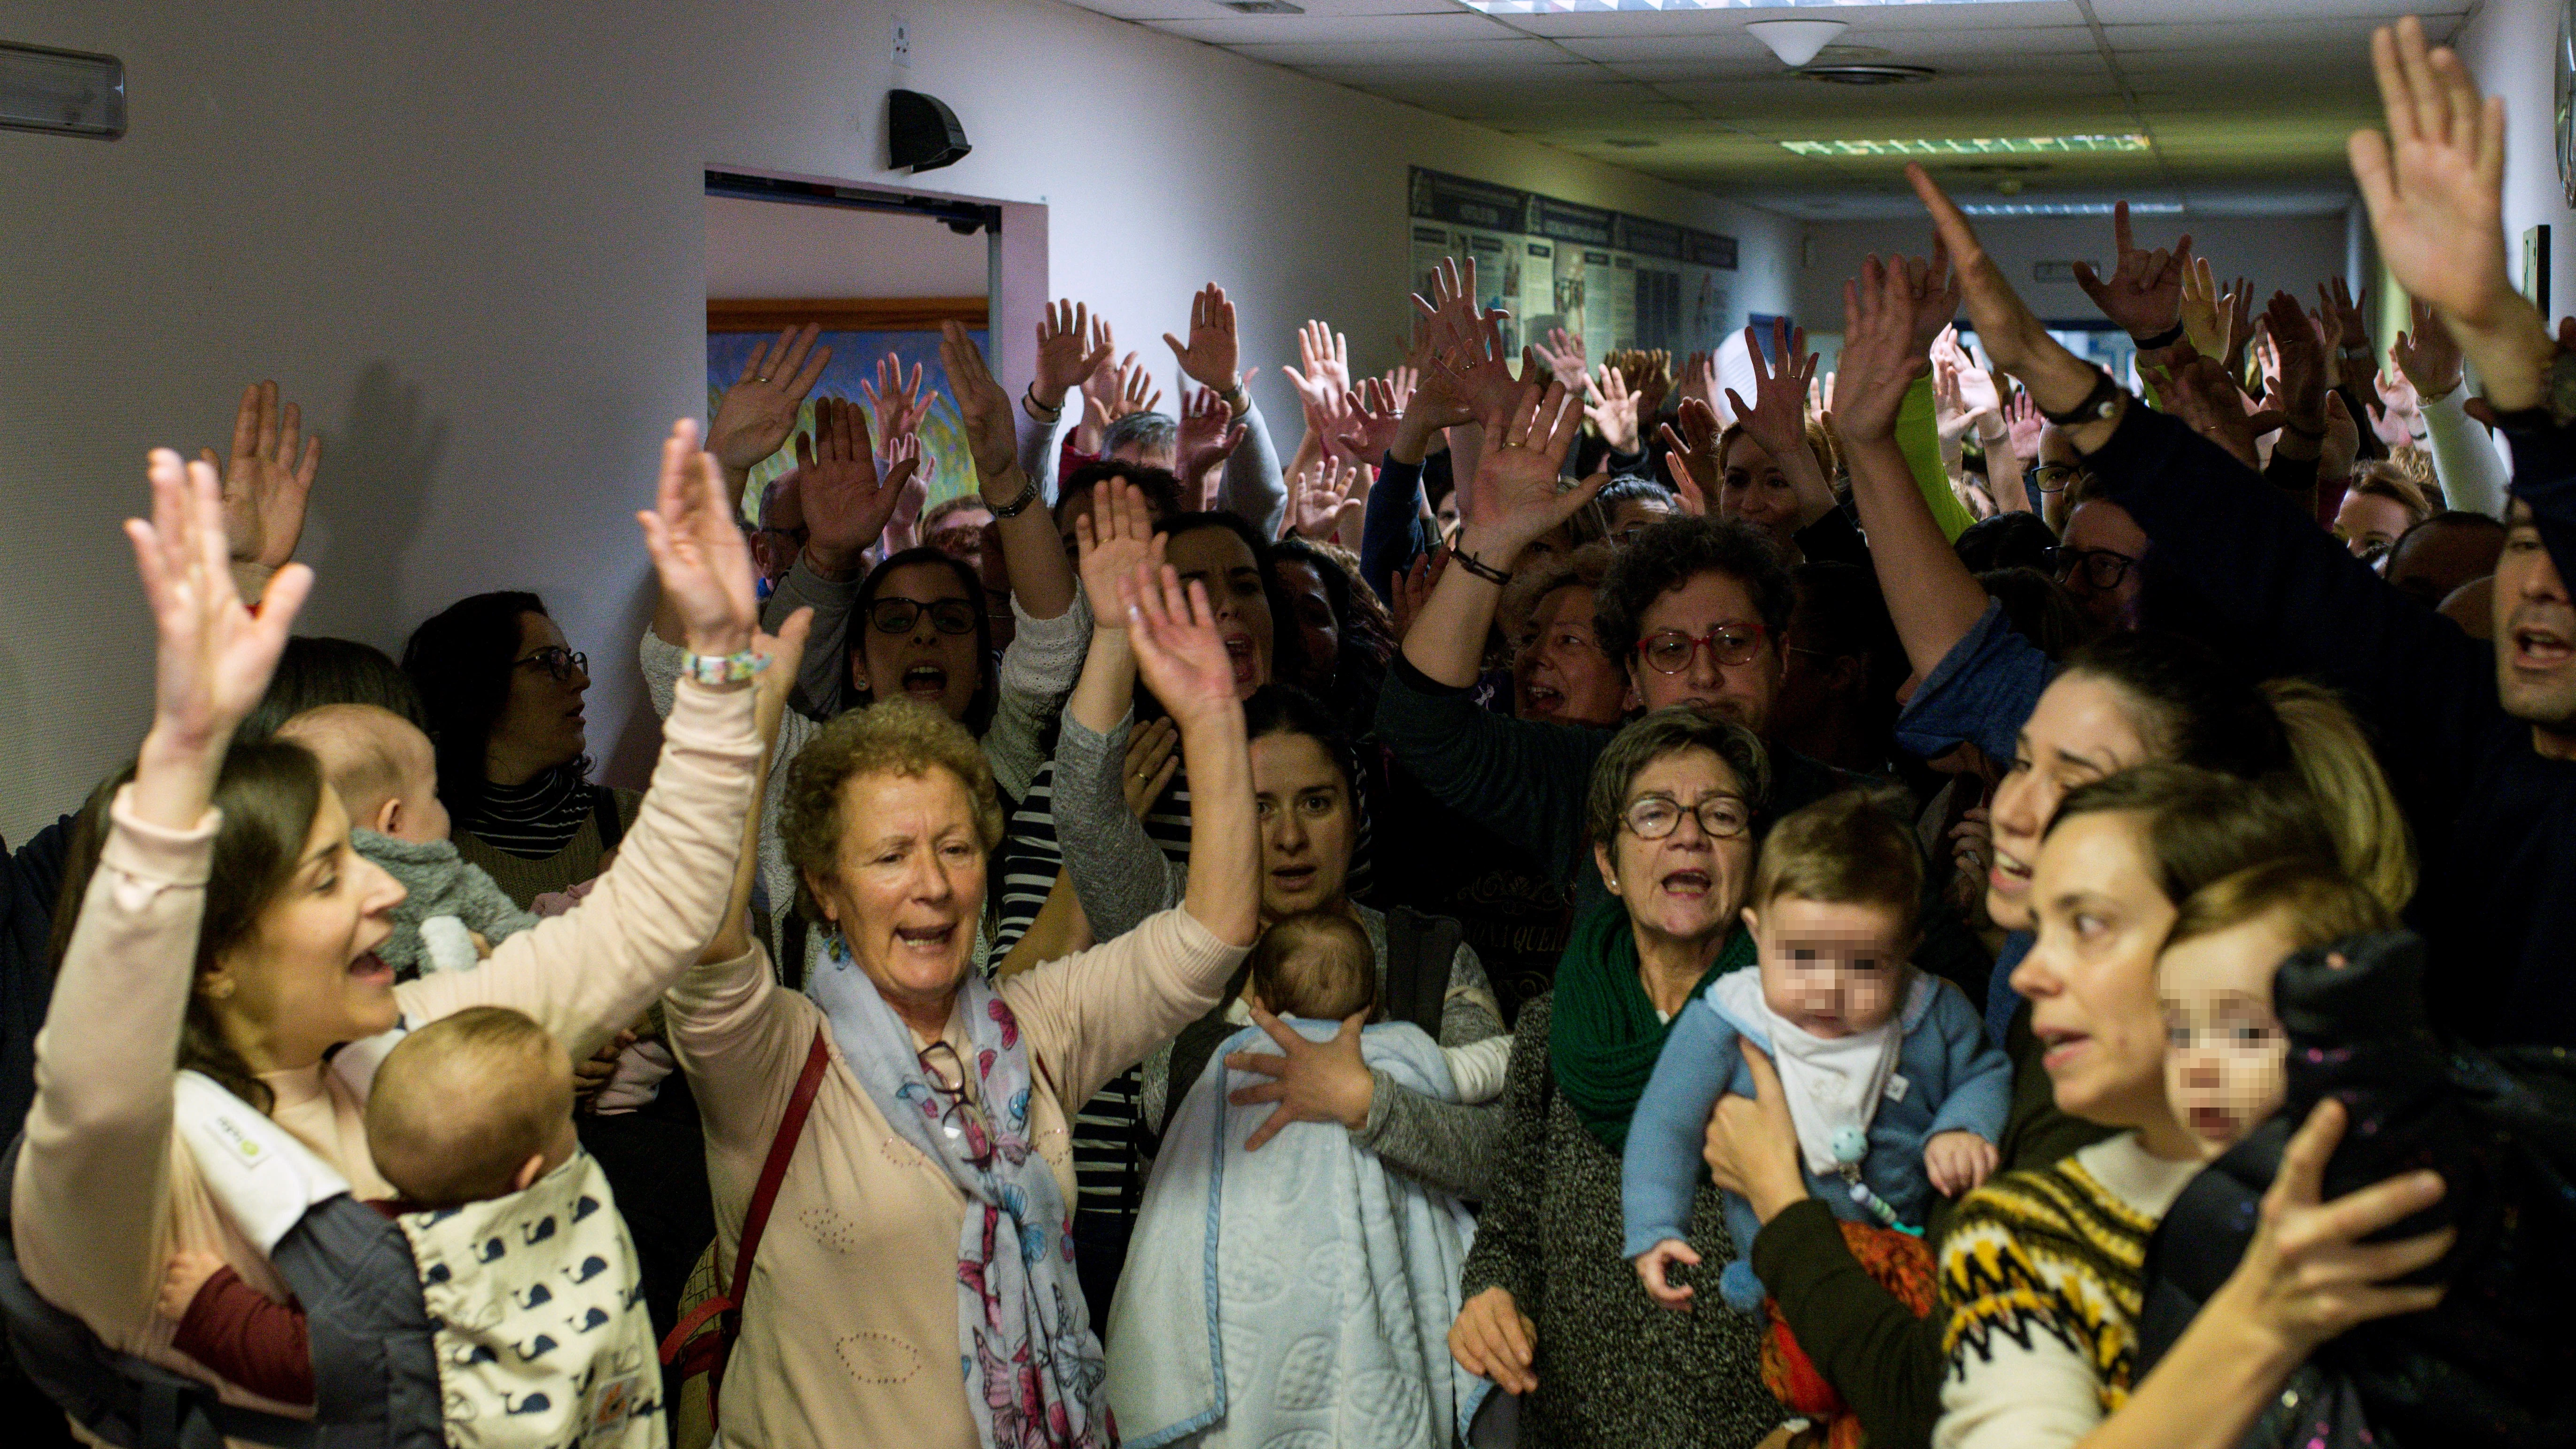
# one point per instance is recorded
(1553, 1313)
(914, 1281)
(504, 695)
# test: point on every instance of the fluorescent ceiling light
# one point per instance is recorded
(1570, 7)
(1979, 146)
(2069, 208)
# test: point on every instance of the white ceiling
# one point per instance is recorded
(2247, 102)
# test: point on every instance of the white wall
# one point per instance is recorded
(470, 239)
(2512, 47)
(770, 249)
(2293, 252)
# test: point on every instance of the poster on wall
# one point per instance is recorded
(1621, 281)
(859, 331)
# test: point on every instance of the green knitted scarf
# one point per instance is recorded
(1603, 1039)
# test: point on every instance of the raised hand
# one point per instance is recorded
(1209, 358)
(214, 652)
(2240, 324)
(992, 437)
(1512, 499)
(1881, 359)
(908, 472)
(1136, 391)
(1612, 406)
(269, 479)
(2398, 415)
(2143, 294)
(2299, 342)
(698, 549)
(845, 503)
(2347, 336)
(2022, 419)
(1777, 417)
(899, 404)
(2434, 184)
(2427, 353)
(1691, 453)
(2011, 333)
(1365, 426)
(1326, 357)
(1204, 423)
(1400, 383)
(1467, 343)
(1114, 540)
(1327, 499)
(756, 414)
(1562, 355)
(2206, 313)
(1070, 351)
(2201, 394)
(1179, 653)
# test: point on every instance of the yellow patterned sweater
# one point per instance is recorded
(2040, 1277)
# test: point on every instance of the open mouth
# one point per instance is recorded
(2008, 875)
(926, 938)
(1238, 650)
(1293, 879)
(1690, 883)
(1540, 699)
(371, 969)
(926, 682)
(2060, 1046)
(2538, 648)
(2213, 1124)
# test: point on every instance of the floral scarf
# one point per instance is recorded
(1034, 1372)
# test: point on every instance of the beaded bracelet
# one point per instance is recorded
(717, 670)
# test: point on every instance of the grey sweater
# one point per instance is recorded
(1121, 876)
(441, 883)
(1613, 1367)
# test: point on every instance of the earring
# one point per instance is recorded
(1614, 882)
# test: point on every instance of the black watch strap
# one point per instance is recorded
(2098, 405)
(2161, 340)
(1019, 505)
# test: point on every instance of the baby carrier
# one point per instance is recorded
(406, 1352)
(2494, 1364)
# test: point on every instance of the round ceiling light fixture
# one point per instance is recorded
(1845, 73)
(1796, 41)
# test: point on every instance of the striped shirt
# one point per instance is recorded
(536, 818)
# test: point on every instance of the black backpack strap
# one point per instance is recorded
(1198, 1042)
(604, 814)
(791, 950)
(1420, 950)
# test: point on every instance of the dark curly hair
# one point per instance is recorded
(1664, 556)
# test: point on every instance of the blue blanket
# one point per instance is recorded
(1302, 1293)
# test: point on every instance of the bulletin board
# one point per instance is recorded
(1621, 281)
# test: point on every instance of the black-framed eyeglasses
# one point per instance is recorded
(2102, 569)
(958, 1116)
(1721, 817)
(1670, 651)
(559, 662)
(897, 616)
(2049, 477)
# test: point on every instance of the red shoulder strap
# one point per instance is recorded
(755, 1220)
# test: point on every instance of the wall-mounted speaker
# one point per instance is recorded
(922, 134)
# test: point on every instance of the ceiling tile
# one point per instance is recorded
(1405, 30)
(2224, 12)
(1426, 53)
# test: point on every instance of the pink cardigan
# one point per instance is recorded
(105, 1194)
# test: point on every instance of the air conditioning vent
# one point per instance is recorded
(1262, 7)
(1844, 74)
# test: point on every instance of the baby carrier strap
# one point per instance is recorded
(1421, 950)
(375, 1369)
(121, 1399)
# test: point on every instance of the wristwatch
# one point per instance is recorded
(2098, 405)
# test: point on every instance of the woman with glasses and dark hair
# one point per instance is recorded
(1553, 1313)
(504, 695)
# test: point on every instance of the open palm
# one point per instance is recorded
(1111, 544)
(2433, 182)
(268, 481)
(756, 414)
(847, 504)
(698, 549)
(215, 653)
(1179, 653)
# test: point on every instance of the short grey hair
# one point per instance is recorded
(1151, 432)
(1670, 731)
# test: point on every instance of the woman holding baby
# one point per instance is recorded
(226, 926)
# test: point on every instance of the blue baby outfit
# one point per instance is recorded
(1947, 1077)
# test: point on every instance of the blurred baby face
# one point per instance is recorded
(1831, 969)
(2223, 1046)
